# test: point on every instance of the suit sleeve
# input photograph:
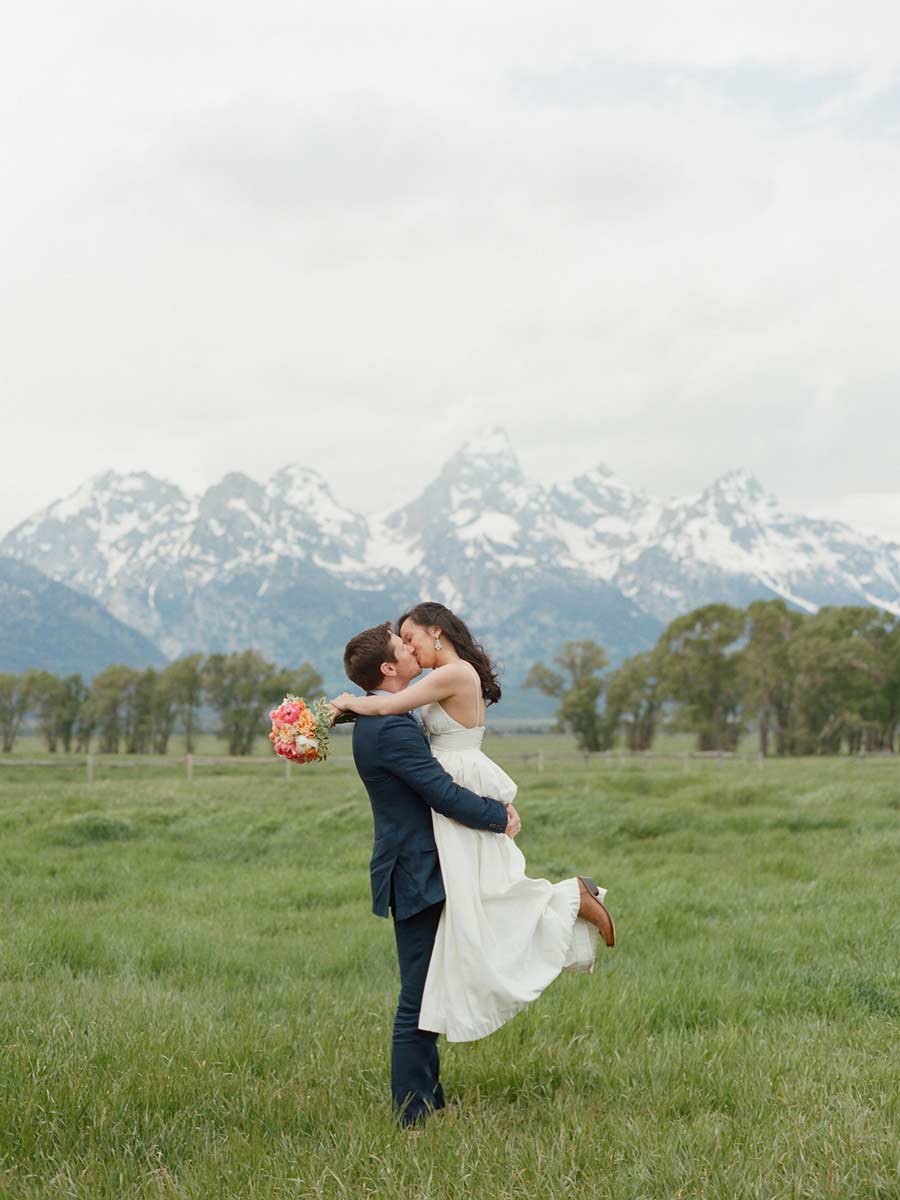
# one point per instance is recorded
(405, 753)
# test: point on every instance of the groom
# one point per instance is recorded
(404, 783)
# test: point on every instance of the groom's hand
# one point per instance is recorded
(514, 823)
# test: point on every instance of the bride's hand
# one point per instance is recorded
(343, 702)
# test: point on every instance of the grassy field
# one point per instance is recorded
(196, 1001)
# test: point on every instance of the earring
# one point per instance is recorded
(437, 643)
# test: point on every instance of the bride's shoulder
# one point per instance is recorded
(452, 673)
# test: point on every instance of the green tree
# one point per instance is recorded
(85, 722)
(303, 681)
(842, 678)
(881, 711)
(184, 688)
(163, 713)
(111, 693)
(138, 711)
(633, 700)
(578, 685)
(14, 702)
(74, 693)
(46, 697)
(700, 672)
(767, 675)
(237, 687)
(890, 715)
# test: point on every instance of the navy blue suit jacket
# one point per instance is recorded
(405, 782)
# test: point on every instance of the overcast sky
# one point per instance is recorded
(659, 236)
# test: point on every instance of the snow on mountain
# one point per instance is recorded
(480, 508)
(249, 563)
(148, 552)
(734, 542)
(87, 535)
(600, 519)
(306, 519)
(484, 539)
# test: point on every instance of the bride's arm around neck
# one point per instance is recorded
(441, 684)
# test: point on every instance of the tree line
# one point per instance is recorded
(138, 711)
(807, 684)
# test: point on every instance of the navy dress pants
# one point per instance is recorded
(415, 1065)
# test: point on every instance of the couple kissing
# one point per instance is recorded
(477, 938)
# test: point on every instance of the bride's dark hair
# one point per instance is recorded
(455, 630)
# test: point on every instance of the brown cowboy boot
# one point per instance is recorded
(593, 910)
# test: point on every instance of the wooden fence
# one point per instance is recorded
(537, 760)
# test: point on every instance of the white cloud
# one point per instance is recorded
(660, 237)
(873, 512)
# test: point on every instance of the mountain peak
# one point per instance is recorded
(234, 484)
(284, 564)
(601, 471)
(603, 478)
(296, 483)
(490, 454)
(130, 488)
(306, 497)
(738, 481)
(494, 443)
(595, 495)
(299, 472)
(736, 496)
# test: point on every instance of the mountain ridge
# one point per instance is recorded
(49, 626)
(282, 560)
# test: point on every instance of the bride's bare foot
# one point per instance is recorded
(593, 910)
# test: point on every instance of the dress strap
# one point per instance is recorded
(478, 695)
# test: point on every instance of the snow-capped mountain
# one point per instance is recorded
(484, 539)
(282, 565)
(734, 542)
(601, 520)
(481, 509)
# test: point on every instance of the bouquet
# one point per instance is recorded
(300, 733)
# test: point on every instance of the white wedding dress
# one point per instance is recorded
(503, 937)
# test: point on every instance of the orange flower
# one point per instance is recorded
(307, 724)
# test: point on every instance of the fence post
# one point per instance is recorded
(721, 759)
(684, 760)
(189, 761)
(90, 768)
(540, 760)
(760, 760)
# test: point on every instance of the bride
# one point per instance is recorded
(503, 937)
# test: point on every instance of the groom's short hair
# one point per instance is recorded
(364, 654)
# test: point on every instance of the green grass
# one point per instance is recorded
(196, 1002)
